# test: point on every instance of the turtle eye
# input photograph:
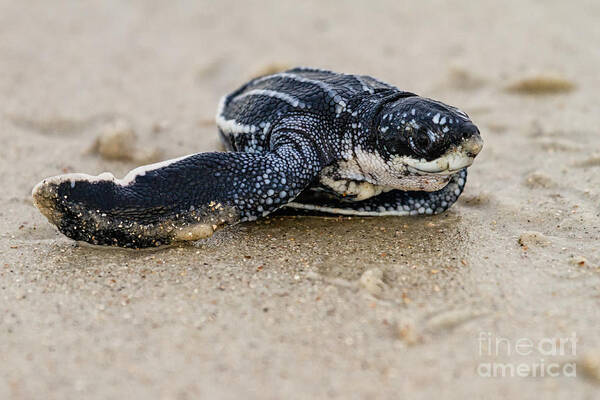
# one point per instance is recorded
(421, 142)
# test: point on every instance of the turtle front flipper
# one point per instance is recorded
(182, 199)
(394, 202)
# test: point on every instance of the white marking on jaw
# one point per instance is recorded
(294, 101)
(454, 159)
(372, 168)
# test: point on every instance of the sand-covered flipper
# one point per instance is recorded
(182, 199)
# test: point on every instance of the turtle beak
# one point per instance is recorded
(473, 145)
(472, 142)
(455, 159)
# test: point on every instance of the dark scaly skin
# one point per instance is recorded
(282, 131)
(153, 210)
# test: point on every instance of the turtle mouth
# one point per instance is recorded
(447, 172)
(447, 165)
(452, 161)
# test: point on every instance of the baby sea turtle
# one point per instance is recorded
(306, 139)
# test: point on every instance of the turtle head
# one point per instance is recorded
(423, 137)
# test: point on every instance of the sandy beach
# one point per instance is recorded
(305, 307)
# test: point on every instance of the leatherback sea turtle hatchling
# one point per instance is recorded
(306, 138)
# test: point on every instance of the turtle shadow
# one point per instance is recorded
(334, 247)
(344, 247)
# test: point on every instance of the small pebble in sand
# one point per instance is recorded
(533, 238)
(372, 281)
(541, 84)
(590, 365)
(450, 319)
(579, 261)
(538, 180)
(592, 161)
(118, 141)
(408, 334)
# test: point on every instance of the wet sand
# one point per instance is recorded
(303, 307)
